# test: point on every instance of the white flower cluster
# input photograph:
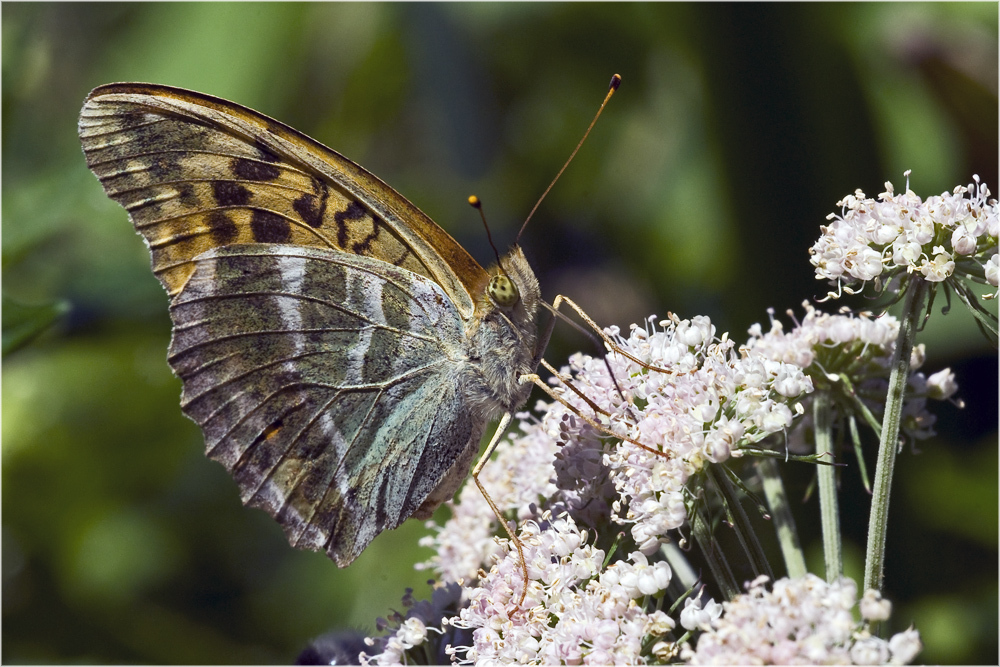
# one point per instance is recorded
(715, 400)
(799, 621)
(691, 399)
(422, 628)
(857, 347)
(574, 613)
(938, 237)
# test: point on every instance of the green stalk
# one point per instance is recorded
(784, 522)
(741, 523)
(826, 477)
(717, 563)
(900, 372)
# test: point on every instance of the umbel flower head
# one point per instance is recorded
(949, 236)
(848, 356)
(799, 621)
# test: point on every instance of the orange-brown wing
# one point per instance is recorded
(196, 172)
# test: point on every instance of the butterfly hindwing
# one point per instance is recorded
(327, 384)
(197, 172)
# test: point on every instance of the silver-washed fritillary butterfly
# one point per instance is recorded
(340, 351)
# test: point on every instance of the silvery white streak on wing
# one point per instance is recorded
(329, 429)
(370, 309)
(292, 271)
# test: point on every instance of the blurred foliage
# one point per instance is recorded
(22, 322)
(736, 130)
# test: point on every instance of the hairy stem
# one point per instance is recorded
(827, 481)
(784, 522)
(888, 442)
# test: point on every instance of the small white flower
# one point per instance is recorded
(870, 651)
(412, 632)
(659, 623)
(938, 269)
(905, 252)
(694, 616)
(992, 269)
(963, 240)
(905, 646)
(866, 264)
(941, 385)
(873, 607)
(651, 578)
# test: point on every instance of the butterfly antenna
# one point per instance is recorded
(476, 203)
(616, 81)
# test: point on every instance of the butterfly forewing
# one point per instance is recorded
(197, 172)
(332, 397)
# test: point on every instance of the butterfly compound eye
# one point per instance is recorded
(503, 291)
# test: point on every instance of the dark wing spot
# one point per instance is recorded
(166, 167)
(353, 211)
(187, 195)
(269, 227)
(128, 121)
(221, 228)
(252, 170)
(402, 258)
(381, 516)
(230, 193)
(309, 207)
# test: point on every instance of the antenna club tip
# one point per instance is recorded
(616, 81)
(474, 202)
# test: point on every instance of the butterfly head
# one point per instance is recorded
(503, 336)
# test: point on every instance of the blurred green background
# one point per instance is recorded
(736, 130)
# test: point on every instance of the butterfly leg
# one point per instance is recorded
(494, 441)
(605, 338)
(538, 382)
(609, 344)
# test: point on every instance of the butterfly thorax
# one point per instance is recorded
(501, 340)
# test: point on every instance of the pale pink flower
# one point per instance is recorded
(797, 621)
(900, 233)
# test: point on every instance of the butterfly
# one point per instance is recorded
(341, 352)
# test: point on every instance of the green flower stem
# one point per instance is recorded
(741, 523)
(784, 522)
(826, 477)
(717, 563)
(899, 374)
